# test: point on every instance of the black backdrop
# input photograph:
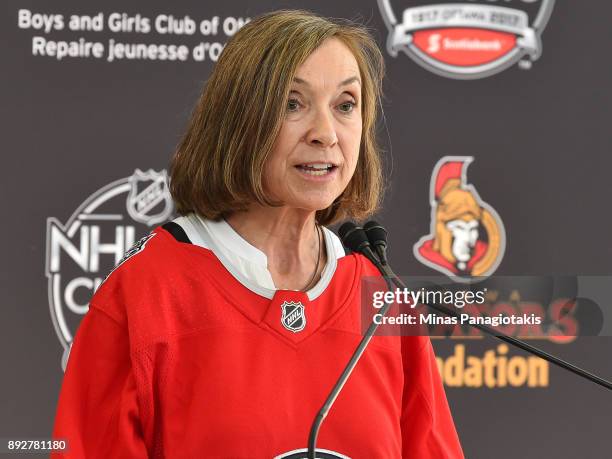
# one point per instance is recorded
(541, 144)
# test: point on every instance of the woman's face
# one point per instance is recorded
(315, 154)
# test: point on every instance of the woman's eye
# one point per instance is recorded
(293, 105)
(347, 107)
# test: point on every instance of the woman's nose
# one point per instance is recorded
(322, 133)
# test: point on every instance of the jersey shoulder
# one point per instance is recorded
(145, 271)
(151, 252)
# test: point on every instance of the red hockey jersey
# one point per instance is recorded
(176, 358)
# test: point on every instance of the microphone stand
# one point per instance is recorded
(322, 414)
(356, 239)
(509, 339)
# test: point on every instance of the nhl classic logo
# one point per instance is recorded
(293, 316)
(97, 237)
(469, 39)
(467, 237)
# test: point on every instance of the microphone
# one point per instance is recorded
(377, 235)
(355, 239)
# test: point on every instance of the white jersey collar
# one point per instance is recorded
(247, 263)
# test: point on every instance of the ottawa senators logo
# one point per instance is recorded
(468, 39)
(467, 237)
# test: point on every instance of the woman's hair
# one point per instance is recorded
(218, 165)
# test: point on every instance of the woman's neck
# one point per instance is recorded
(289, 239)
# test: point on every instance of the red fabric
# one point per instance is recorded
(177, 359)
(428, 431)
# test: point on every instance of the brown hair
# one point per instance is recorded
(218, 165)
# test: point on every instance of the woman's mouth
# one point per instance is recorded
(317, 169)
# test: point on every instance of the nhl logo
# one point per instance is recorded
(149, 200)
(469, 39)
(293, 316)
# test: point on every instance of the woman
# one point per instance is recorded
(221, 333)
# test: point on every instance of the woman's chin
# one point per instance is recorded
(314, 204)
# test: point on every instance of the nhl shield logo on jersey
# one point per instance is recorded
(149, 200)
(469, 39)
(467, 237)
(293, 316)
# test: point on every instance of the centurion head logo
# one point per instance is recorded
(467, 237)
(95, 239)
(469, 39)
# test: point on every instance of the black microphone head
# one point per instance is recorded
(345, 229)
(377, 234)
(353, 237)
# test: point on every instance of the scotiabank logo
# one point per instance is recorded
(467, 40)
